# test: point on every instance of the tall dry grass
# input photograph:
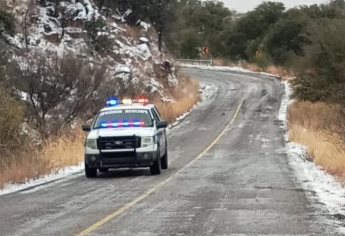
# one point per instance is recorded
(312, 125)
(31, 163)
(275, 70)
(185, 99)
(64, 151)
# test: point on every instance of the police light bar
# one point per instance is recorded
(127, 101)
(143, 100)
(114, 101)
(125, 124)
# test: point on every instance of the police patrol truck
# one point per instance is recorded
(126, 134)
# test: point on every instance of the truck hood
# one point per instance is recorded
(118, 132)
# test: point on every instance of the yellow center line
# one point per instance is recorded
(129, 205)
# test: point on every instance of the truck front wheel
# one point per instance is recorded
(90, 172)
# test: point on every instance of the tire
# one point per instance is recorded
(164, 161)
(103, 170)
(156, 168)
(90, 172)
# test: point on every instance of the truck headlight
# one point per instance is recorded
(91, 143)
(147, 141)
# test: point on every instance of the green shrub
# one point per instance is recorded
(7, 23)
(321, 71)
(11, 118)
(98, 38)
(263, 60)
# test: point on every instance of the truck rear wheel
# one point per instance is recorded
(90, 172)
(165, 161)
(156, 168)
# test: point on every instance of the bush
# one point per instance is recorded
(263, 60)
(11, 119)
(7, 23)
(58, 90)
(286, 39)
(321, 71)
(98, 37)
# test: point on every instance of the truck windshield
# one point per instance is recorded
(123, 118)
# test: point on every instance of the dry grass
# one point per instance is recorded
(66, 151)
(32, 164)
(275, 70)
(309, 125)
(185, 100)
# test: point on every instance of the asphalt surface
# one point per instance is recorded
(228, 175)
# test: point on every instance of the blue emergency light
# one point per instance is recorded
(114, 101)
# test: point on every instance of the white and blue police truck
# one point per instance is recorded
(126, 134)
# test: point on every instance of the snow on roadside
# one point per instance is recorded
(34, 184)
(283, 116)
(207, 91)
(322, 188)
(225, 68)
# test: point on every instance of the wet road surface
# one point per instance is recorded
(228, 175)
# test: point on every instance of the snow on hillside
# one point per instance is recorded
(134, 54)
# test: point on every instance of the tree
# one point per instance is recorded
(321, 70)
(11, 118)
(98, 36)
(286, 39)
(11, 112)
(198, 24)
(190, 45)
(251, 29)
(161, 13)
(26, 22)
(57, 90)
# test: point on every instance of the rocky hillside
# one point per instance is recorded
(64, 58)
(78, 27)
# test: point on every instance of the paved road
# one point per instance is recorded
(228, 175)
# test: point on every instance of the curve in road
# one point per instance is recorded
(240, 185)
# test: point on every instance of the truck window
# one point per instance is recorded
(123, 118)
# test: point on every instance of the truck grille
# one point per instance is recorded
(111, 143)
(118, 155)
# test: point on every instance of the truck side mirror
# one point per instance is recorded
(162, 124)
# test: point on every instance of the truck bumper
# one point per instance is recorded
(121, 159)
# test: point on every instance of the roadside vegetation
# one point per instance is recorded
(305, 44)
(320, 127)
(45, 97)
(39, 92)
(185, 100)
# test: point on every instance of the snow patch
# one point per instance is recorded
(207, 91)
(123, 69)
(144, 40)
(321, 187)
(172, 79)
(145, 25)
(143, 51)
(33, 184)
(282, 117)
(225, 68)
